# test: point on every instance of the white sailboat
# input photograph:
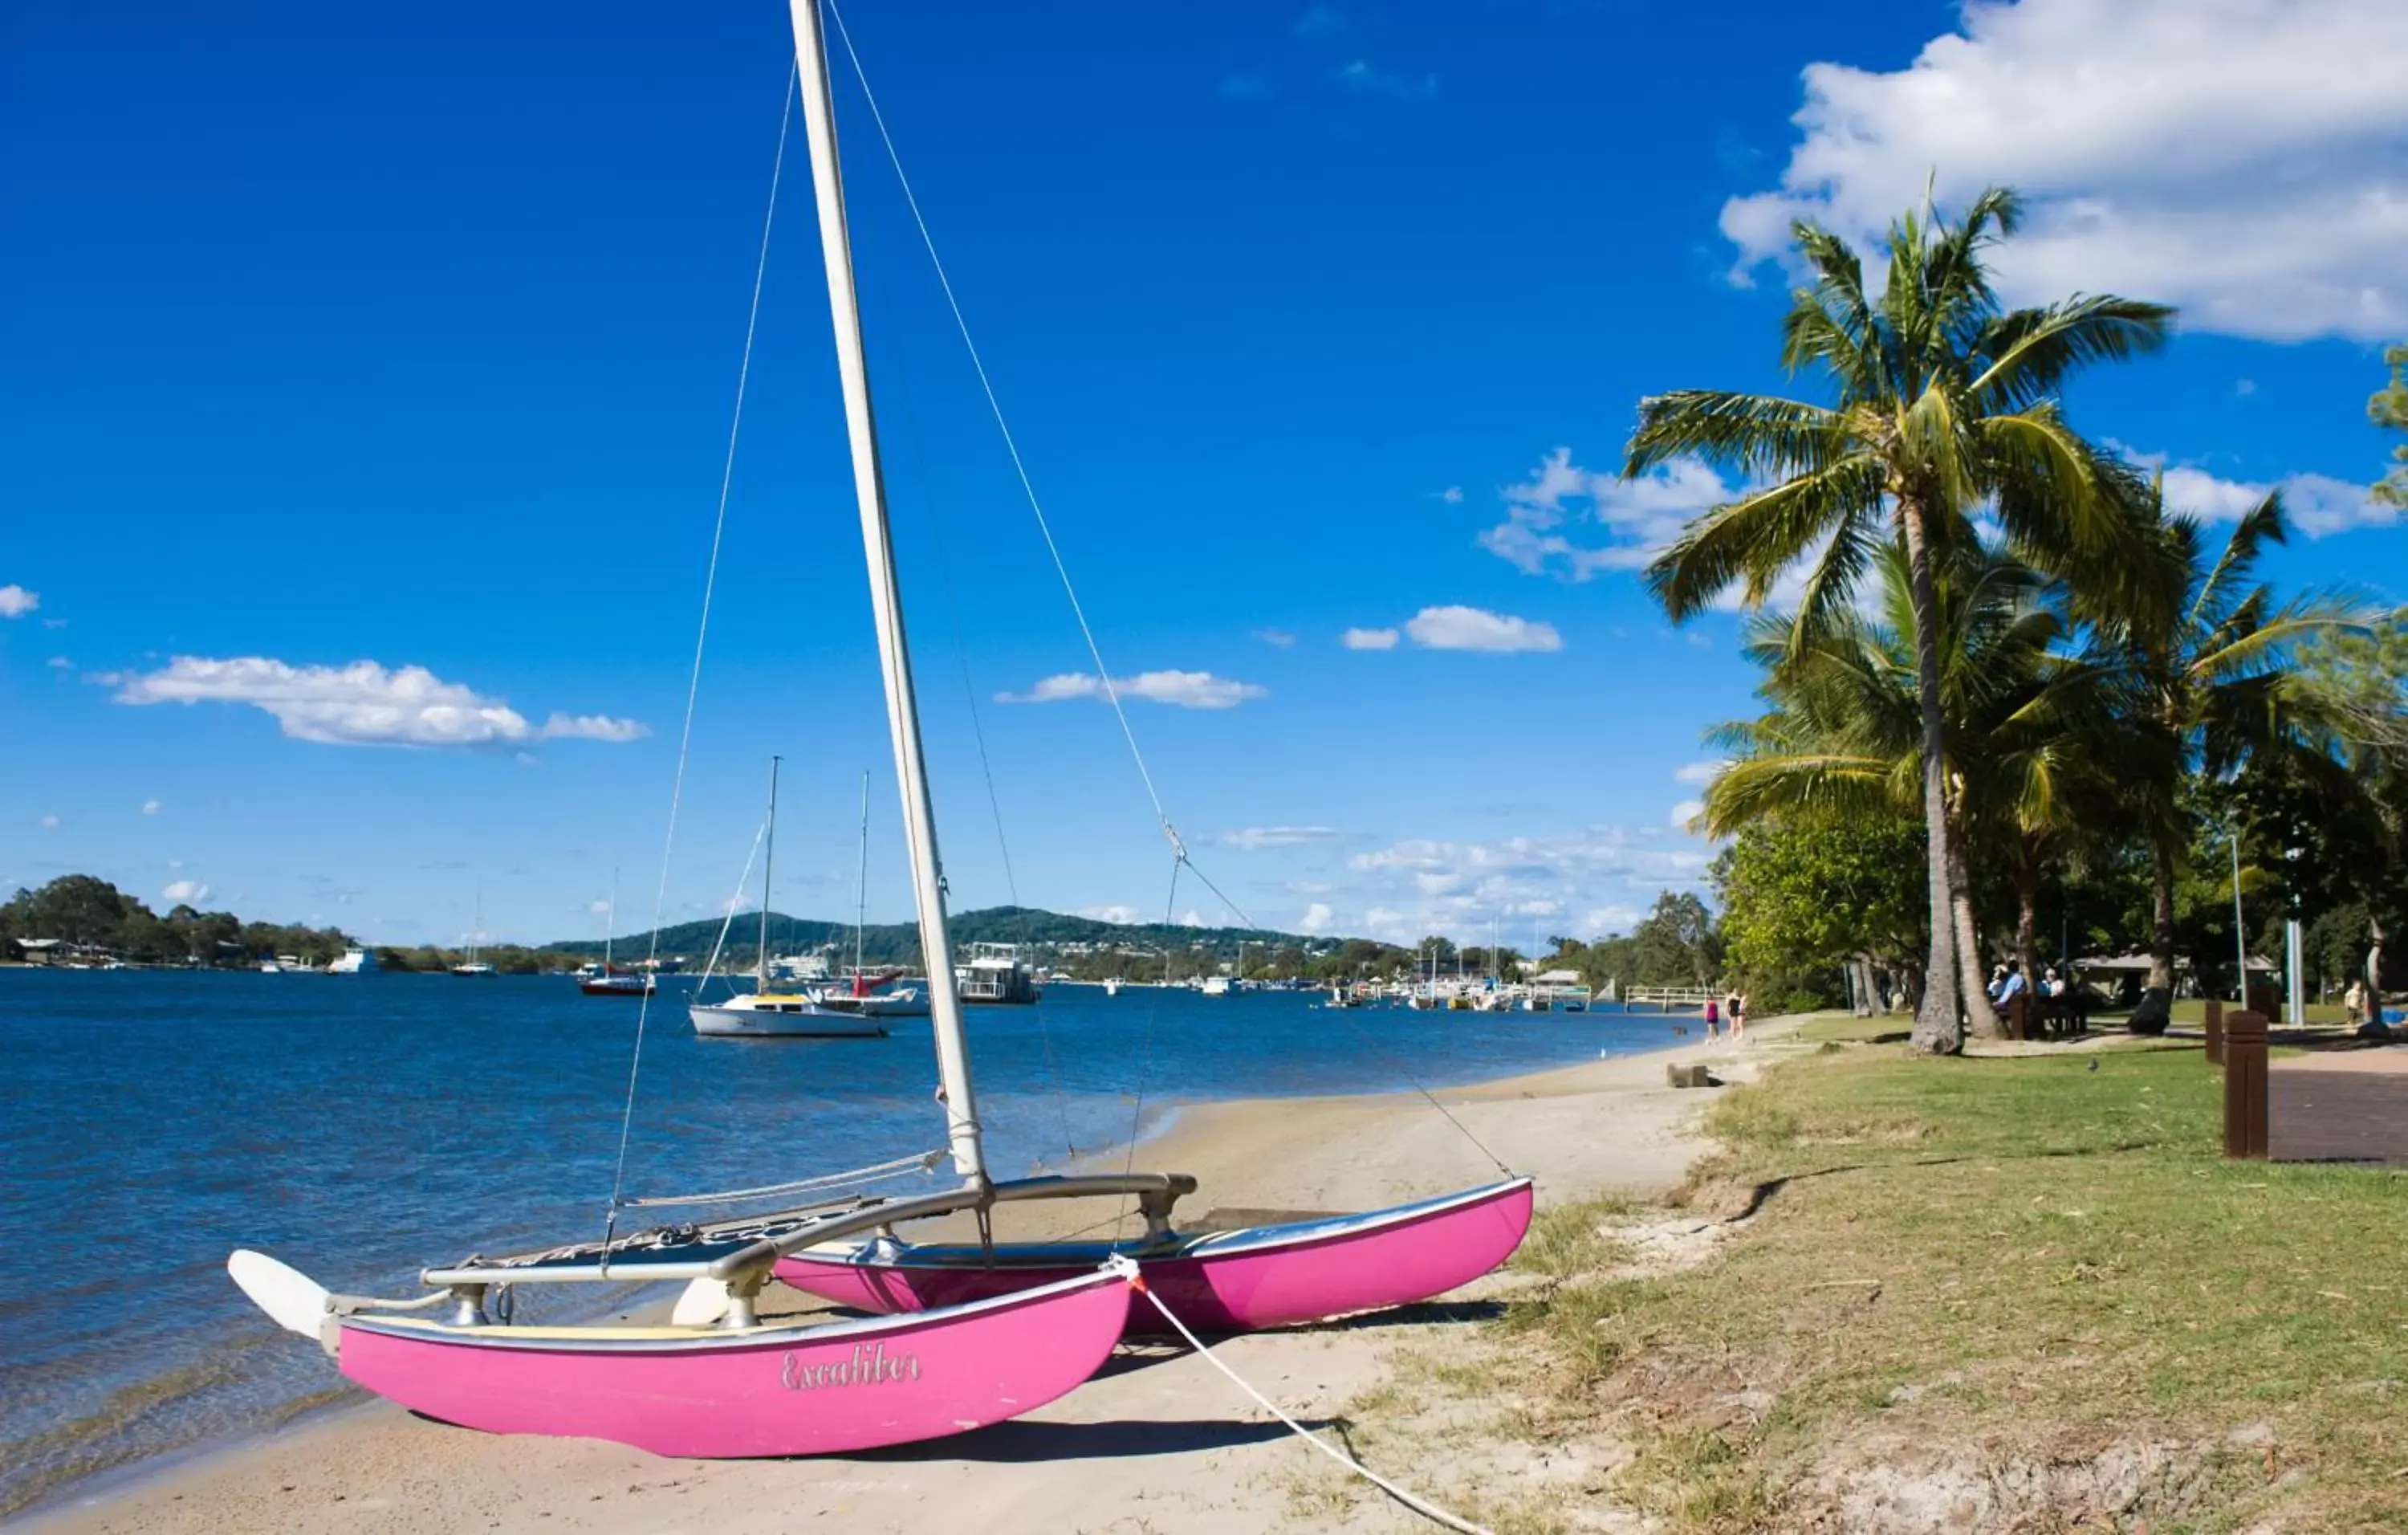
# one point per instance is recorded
(762, 1013)
(860, 992)
(473, 967)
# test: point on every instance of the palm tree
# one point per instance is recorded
(2024, 721)
(2206, 657)
(1940, 403)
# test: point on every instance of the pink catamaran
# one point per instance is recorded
(962, 1335)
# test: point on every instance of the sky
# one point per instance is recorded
(368, 380)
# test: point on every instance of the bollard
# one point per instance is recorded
(2215, 1032)
(2245, 1086)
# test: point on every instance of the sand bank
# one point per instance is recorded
(1159, 1441)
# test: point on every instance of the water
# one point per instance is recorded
(361, 1127)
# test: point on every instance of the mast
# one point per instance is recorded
(886, 600)
(768, 851)
(861, 884)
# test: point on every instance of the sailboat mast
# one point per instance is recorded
(861, 884)
(886, 599)
(768, 851)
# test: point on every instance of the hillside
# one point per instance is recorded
(899, 944)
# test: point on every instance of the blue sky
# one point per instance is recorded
(347, 343)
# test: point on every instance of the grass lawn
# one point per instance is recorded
(1986, 1293)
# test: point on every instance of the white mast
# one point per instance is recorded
(886, 599)
(768, 851)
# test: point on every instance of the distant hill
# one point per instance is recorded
(898, 943)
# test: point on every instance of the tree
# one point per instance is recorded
(2026, 724)
(1804, 895)
(2388, 408)
(2204, 656)
(1938, 403)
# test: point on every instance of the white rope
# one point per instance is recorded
(994, 407)
(1420, 1506)
(702, 632)
(919, 1162)
(719, 945)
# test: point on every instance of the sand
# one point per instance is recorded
(1159, 1441)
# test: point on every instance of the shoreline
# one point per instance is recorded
(1605, 1124)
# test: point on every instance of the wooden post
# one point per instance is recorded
(2245, 1086)
(2215, 1032)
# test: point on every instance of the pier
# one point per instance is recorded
(1667, 999)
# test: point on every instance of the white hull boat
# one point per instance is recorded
(778, 1015)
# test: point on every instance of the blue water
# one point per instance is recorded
(362, 1128)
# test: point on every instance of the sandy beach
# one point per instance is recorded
(1159, 1441)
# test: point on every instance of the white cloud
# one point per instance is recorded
(362, 704)
(1281, 638)
(1459, 628)
(598, 907)
(1699, 773)
(1124, 915)
(2243, 388)
(60, 662)
(1686, 811)
(186, 891)
(152, 807)
(1369, 640)
(1180, 689)
(49, 823)
(1634, 519)
(1255, 838)
(1639, 520)
(16, 602)
(2318, 504)
(1452, 495)
(2246, 160)
(1316, 918)
(1610, 919)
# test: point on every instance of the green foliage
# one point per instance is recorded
(1676, 944)
(1799, 898)
(90, 912)
(2388, 408)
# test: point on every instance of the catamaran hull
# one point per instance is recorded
(771, 1391)
(1219, 1281)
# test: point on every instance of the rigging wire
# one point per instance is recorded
(1019, 465)
(1180, 856)
(702, 633)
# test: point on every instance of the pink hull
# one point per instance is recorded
(794, 1391)
(1233, 1281)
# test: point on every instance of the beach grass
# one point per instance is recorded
(2017, 1285)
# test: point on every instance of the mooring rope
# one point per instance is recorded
(1421, 1506)
(702, 633)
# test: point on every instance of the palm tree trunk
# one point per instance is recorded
(2028, 920)
(1981, 1018)
(1937, 1031)
(2156, 998)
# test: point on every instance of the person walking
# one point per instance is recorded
(1713, 1019)
(2355, 1000)
(1739, 1017)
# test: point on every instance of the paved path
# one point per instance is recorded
(2339, 1106)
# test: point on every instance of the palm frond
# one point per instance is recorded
(2030, 352)
(1754, 538)
(1762, 435)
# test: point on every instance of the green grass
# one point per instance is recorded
(2021, 1256)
